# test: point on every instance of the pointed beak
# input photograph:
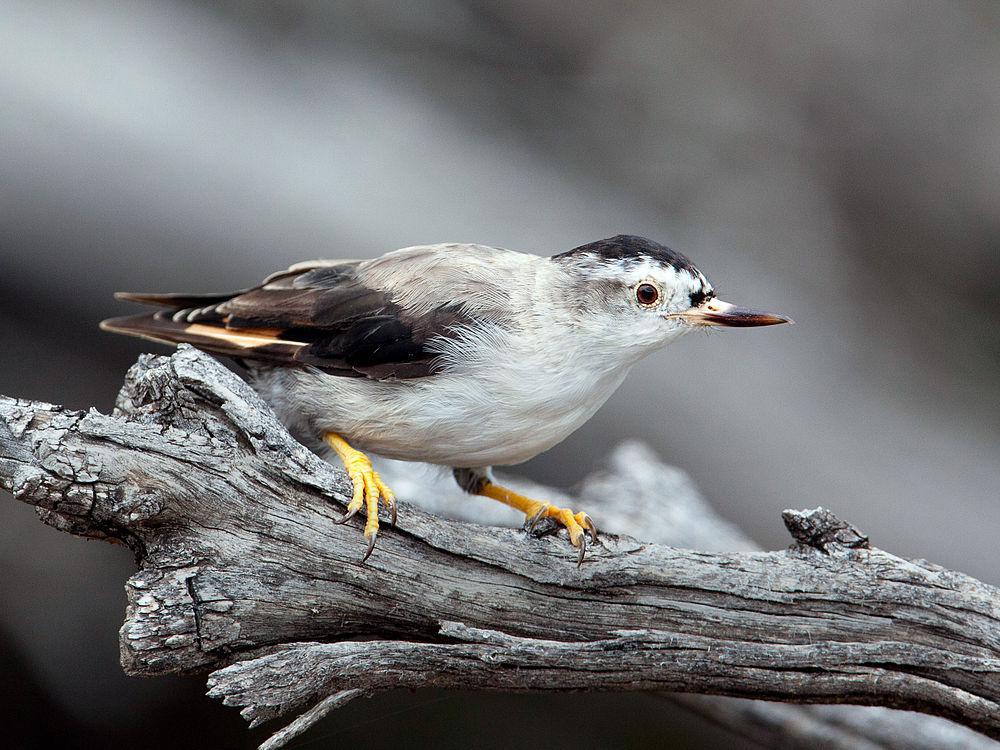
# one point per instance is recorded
(715, 312)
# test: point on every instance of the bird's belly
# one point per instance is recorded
(445, 419)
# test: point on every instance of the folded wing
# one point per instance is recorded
(376, 319)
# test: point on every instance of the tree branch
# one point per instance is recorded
(243, 570)
(637, 494)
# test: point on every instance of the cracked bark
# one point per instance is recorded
(243, 572)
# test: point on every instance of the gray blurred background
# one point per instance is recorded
(839, 162)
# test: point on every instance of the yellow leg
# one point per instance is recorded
(368, 488)
(534, 510)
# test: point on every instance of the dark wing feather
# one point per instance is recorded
(323, 316)
(175, 301)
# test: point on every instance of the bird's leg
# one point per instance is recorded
(368, 488)
(577, 524)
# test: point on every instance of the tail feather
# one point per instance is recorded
(176, 301)
(163, 328)
(156, 326)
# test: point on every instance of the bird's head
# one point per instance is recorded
(641, 294)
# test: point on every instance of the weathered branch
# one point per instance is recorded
(637, 494)
(243, 570)
(670, 511)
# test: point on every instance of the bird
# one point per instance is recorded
(461, 355)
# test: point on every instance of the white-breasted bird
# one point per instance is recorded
(465, 356)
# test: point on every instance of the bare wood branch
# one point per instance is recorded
(637, 493)
(243, 568)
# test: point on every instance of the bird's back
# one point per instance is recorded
(373, 318)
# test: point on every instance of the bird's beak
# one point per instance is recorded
(715, 312)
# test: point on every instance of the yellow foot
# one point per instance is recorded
(578, 525)
(369, 488)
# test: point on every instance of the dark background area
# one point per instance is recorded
(839, 162)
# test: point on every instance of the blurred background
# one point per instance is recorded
(839, 162)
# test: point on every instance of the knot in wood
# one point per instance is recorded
(820, 529)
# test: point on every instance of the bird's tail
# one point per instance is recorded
(189, 319)
(175, 301)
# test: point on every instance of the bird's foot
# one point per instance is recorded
(369, 489)
(577, 525)
(541, 516)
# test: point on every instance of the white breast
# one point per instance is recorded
(499, 412)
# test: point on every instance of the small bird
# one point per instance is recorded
(465, 356)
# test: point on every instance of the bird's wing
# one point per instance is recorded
(374, 319)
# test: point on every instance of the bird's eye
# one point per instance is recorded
(647, 294)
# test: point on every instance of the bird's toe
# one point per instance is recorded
(547, 519)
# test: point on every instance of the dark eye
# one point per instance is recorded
(647, 294)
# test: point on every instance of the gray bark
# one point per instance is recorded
(243, 570)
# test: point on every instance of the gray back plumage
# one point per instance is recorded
(377, 318)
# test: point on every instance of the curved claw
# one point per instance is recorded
(351, 512)
(537, 516)
(391, 502)
(371, 547)
(583, 550)
(591, 527)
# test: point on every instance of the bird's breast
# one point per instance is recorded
(513, 410)
(502, 411)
